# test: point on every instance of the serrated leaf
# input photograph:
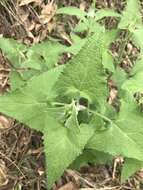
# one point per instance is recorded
(95, 27)
(41, 86)
(29, 104)
(33, 60)
(85, 74)
(134, 84)
(110, 36)
(131, 17)
(62, 146)
(137, 38)
(49, 50)
(72, 11)
(13, 50)
(23, 107)
(77, 45)
(130, 120)
(124, 136)
(108, 62)
(16, 81)
(115, 141)
(129, 168)
(82, 26)
(119, 77)
(91, 156)
(106, 13)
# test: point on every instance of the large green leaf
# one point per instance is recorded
(62, 146)
(115, 141)
(28, 104)
(84, 74)
(123, 136)
(131, 17)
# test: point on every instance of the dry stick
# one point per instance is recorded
(11, 12)
(3, 155)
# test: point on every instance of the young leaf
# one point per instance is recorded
(85, 74)
(131, 17)
(62, 146)
(72, 11)
(106, 13)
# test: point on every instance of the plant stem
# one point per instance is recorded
(102, 116)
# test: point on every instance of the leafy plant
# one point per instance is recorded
(68, 103)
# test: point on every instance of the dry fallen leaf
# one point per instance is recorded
(3, 176)
(113, 95)
(26, 2)
(4, 122)
(47, 13)
(69, 186)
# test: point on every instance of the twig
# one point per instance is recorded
(4, 156)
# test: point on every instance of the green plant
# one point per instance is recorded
(68, 103)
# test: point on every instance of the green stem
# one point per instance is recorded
(102, 116)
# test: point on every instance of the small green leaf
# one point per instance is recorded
(131, 17)
(137, 37)
(119, 77)
(134, 84)
(129, 168)
(72, 11)
(82, 26)
(108, 62)
(77, 45)
(106, 13)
